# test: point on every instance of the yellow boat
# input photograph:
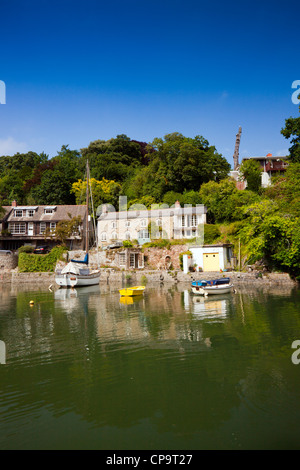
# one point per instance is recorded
(130, 291)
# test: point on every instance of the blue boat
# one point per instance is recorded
(214, 286)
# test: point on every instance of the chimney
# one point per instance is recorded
(14, 203)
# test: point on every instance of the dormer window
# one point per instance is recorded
(49, 209)
(18, 213)
(30, 212)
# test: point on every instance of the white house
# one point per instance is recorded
(142, 224)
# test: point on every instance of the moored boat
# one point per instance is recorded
(77, 273)
(215, 286)
(74, 275)
(132, 291)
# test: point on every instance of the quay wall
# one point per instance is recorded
(110, 276)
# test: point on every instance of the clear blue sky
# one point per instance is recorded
(77, 71)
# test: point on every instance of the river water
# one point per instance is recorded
(83, 370)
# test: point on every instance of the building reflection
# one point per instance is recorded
(211, 307)
(2, 352)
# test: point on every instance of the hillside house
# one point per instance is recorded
(26, 225)
(143, 225)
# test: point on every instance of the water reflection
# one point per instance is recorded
(212, 307)
(167, 370)
(2, 352)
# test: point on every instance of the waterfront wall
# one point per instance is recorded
(8, 261)
(110, 276)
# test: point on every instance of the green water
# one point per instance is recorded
(169, 371)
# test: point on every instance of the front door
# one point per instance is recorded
(30, 229)
(211, 262)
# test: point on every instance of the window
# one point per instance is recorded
(144, 223)
(158, 222)
(17, 228)
(182, 221)
(49, 209)
(103, 236)
(52, 226)
(114, 236)
(30, 212)
(132, 260)
(42, 227)
(194, 220)
(122, 259)
(18, 213)
(127, 236)
(144, 234)
(127, 223)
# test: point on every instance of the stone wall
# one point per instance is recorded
(8, 261)
(111, 276)
(162, 276)
(163, 258)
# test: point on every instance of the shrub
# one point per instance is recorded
(29, 263)
(26, 249)
(211, 233)
(188, 252)
(127, 244)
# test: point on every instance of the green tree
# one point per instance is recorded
(114, 159)
(251, 172)
(292, 130)
(56, 180)
(103, 192)
(179, 164)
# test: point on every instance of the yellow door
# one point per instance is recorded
(211, 262)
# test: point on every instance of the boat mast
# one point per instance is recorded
(87, 208)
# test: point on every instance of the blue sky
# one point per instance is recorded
(77, 71)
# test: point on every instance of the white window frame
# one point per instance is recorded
(122, 259)
(132, 260)
(17, 228)
(127, 223)
(103, 237)
(52, 226)
(194, 220)
(144, 234)
(127, 236)
(20, 211)
(42, 227)
(144, 223)
(48, 211)
(30, 212)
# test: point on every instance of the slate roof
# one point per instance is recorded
(60, 213)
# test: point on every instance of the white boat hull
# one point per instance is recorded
(212, 290)
(72, 280)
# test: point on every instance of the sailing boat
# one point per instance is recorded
(77, 273)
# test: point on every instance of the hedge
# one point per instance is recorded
(30, 263)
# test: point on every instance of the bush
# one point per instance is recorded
(211, 233)
(26, 249)
(188, 252)
(127, 244)
(160, 243)
(29, 263)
